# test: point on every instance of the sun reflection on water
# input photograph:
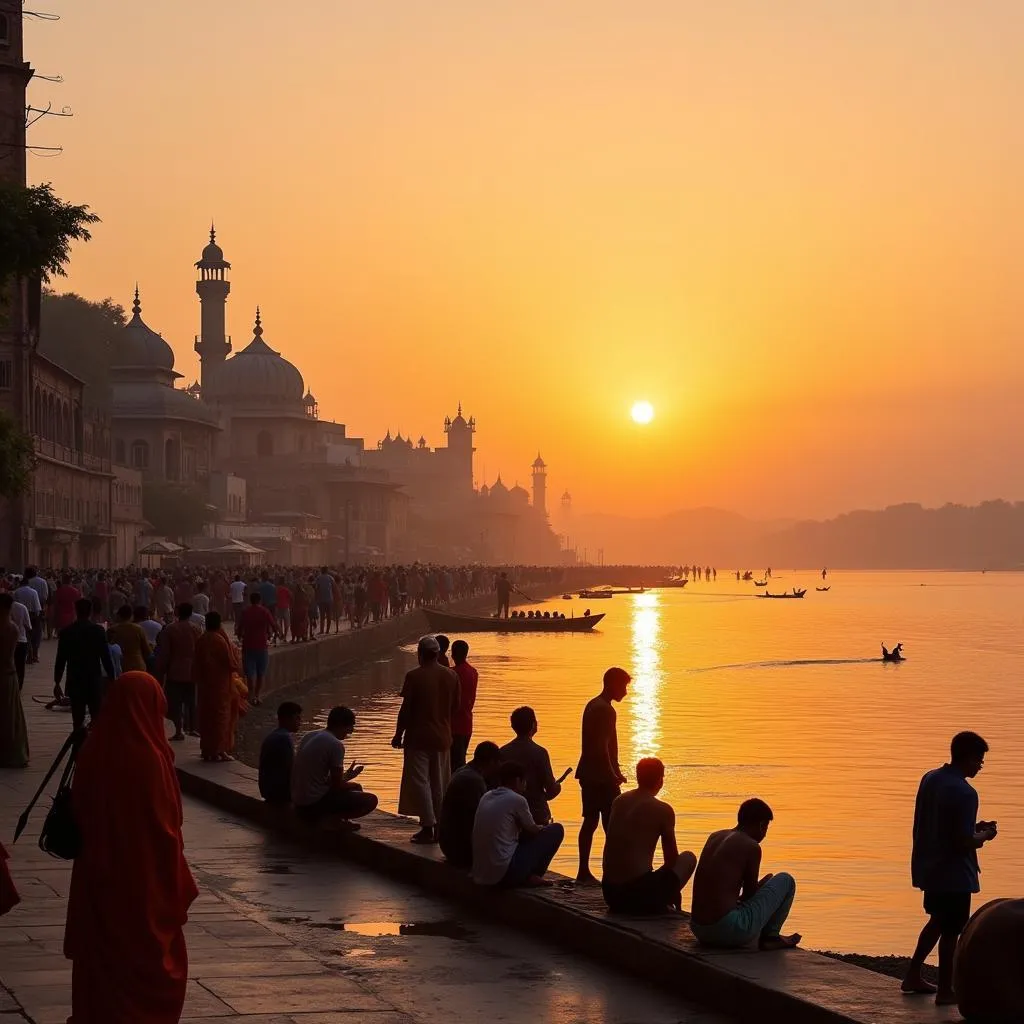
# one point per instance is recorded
(645, 689)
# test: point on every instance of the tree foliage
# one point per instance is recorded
(82, 336)
(17, 459)
(36, 231)
(175, 511)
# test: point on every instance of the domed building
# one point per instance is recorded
(163, 431)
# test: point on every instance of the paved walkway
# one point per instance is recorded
(281, 935)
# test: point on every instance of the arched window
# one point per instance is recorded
(140, 455)
(172, 459)
(119, 451)
(264, 443)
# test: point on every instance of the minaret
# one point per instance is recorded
(460, 450)
(213, 344)
(540, 485)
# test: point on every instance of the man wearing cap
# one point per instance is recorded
(430, 697)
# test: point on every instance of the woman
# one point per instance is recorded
(13, 731)
(131, 886)
(216, 660)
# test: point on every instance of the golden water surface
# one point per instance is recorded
(777, 699)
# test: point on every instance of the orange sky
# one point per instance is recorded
(795, 227)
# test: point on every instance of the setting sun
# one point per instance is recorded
(642, 412)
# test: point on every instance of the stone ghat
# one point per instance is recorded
(794, 987)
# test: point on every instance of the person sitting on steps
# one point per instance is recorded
(731, 908)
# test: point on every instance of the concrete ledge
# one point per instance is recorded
(795, 987)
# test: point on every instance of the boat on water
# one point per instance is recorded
(822, 590)
(600, 592)
(760, 583)
(672, 581)
(448, 622)
(896, 654)
(793, 596)
(748, 575)
(567, 597)
(597, 595)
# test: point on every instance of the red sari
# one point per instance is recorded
(131, 886)
(215, 662)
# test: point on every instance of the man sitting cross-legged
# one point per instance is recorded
(461, 799)
(638, 822)
(731, 908)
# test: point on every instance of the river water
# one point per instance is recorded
(785, 700)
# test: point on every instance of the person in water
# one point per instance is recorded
(944, 862)
(731, 907)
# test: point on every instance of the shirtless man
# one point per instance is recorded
(598, 773)
(731, 908)
(638, 822)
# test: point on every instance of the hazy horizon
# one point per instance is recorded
(792, 228)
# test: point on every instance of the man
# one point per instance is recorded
(443, 644)
(82, 650)
(321, 784)
(129, 636)
(509, 848)
(324, 599)
(21, 618)
(142, 593)
(461, 798)
(430, 696)
(284, 608)
(638, 822)
(149, 626)
(237, 594)
(28, 595)
(255, 628)
(277, 755)
(462, 720)
(944, 862)
(163, 602)
(503, 588)
(174, 657)
(731, 908)
(541, 784)
(598, 772)
(268, 597)
(201, 599)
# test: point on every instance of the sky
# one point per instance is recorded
(796, 228)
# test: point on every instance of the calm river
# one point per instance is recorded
(778, 699)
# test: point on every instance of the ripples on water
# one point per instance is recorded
(785, 700)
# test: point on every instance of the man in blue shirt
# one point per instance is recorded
(944, 863)
(277, 755)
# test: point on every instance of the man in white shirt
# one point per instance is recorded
(509, 847)
(237, 597)
(321, 785)
(28, 594)
(23, 620)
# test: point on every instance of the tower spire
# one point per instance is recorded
(136, 305)
(212, 287)
(258, 327)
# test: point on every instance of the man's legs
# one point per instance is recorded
(779, 892)
(20, 658)
(174, 709)
(586, 841)
(460, 746)
(416, 798)
(914, 982)
(533, 856)
(948, 914)
(37, 634)
(262, 663)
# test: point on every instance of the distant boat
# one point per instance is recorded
(602, 592)
(748, 575)
(795, 595)
(446, 622)
(567, 597)
(896, 654)
(672, 581)
(760, 583)
(822, 590)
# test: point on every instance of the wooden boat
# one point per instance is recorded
(794, 596)
(748, 576)
(760, 583)
(567, 597)
(597, 595)
(895, 655)
(449, 623)
(822, 590)
(673, 581)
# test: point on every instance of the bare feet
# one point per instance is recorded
(586, 878)
(536, 882)
(780, 942)
(915, 985)
(178, 737)
(945, 999)
(425, 837)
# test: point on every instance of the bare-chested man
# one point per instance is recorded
(731, 908)
(598, 773)
(638, 822)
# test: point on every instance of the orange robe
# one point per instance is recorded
(215, 661)
(131, 886)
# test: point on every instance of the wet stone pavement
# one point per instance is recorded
(282, 935)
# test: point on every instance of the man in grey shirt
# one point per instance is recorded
(541, 784)
(321, 785)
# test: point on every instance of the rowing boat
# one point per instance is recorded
(796, 595)
(447, 622)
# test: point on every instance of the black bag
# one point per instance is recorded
(60, 836)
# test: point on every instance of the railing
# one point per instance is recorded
(71, 456)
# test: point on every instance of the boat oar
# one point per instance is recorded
(532, 600)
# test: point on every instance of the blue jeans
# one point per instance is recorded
(533, 855)
(761, 917)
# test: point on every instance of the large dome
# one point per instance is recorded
(140, 346)
(258, 374)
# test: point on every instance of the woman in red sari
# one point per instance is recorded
(131, 886)
(216, 660)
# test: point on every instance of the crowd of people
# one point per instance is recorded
(131, 671)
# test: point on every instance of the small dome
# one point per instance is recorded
(519, 493)
(499, 487)
(151, 400)
(484, 491)
(539, 463)
(140, 345)
(213, 254)
(258, 374)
